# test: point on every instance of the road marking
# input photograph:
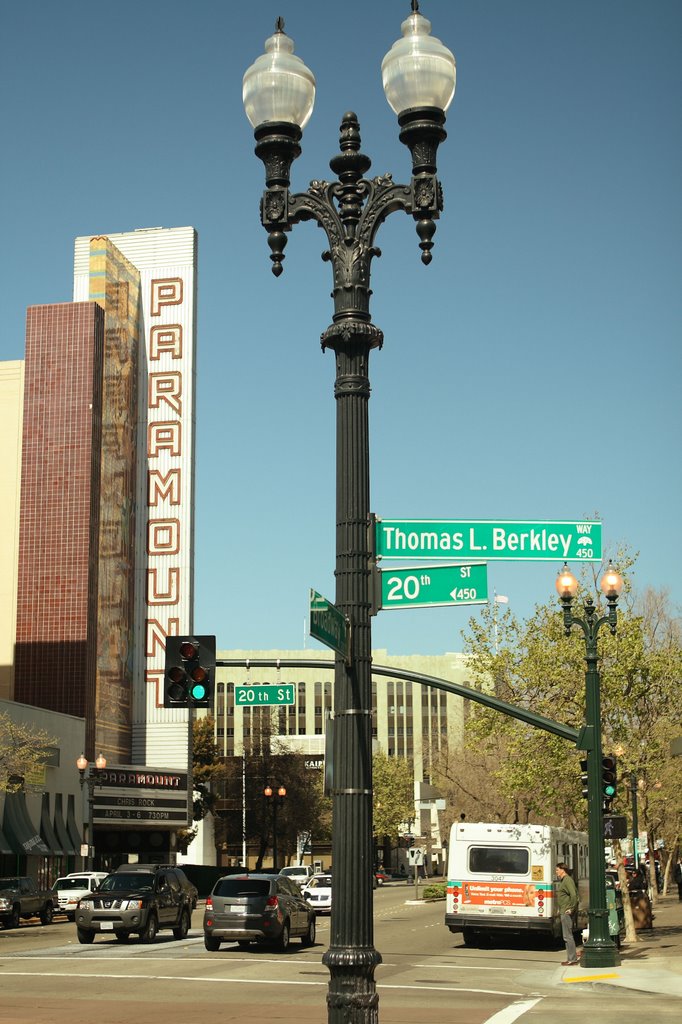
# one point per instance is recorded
(245, 981)
(460, 967)
(512, 1012)
(592, 977)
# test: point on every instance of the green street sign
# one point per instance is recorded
(328, 625)
(459, 539)
(434, 586)
(278, 693)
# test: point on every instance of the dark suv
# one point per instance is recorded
(137, 898)
(257, 908)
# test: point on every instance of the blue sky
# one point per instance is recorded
(531, 372)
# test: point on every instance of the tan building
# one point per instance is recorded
(11, 418)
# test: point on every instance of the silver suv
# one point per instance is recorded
(137, 898)
(257, 908)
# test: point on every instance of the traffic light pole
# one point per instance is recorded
(600, 949)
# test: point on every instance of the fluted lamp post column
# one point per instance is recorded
(90, 780)
(279, 90)
(600, 949)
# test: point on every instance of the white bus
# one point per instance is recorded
(501, 877)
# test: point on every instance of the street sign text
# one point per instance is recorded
(486, 539)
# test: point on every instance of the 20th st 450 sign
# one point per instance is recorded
(439, 585)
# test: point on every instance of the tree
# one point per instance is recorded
(393, 785)
(534, 665)
(23, 749)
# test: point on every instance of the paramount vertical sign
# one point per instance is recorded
(166, 260)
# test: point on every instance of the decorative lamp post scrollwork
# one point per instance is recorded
(279, 91)
(599, 949)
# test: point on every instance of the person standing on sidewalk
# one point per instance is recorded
(567, 895)
(677, 875)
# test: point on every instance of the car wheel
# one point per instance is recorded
(122, 936)
(47, 914)
(283, 940)
(85, 936)
(211, 944)
(148, 933)
(70, 917)
(181, 931)
(14, 919)
(309, 938)
(243, 943)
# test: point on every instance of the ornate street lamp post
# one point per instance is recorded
(277, 801)
(90, 780)
(279, 91)
(600, 949)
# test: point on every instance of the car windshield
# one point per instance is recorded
(293, 871)
(124, 881)
(9, 883)
(322, 881)
(70, 883)
(237, 887)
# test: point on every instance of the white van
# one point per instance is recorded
(501, 877)
(69, 889)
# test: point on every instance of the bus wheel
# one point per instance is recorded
(469, 937)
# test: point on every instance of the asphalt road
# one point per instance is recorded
(427, 977)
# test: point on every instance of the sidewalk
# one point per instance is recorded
(654, 964)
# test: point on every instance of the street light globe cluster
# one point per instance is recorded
(610, 584)
(418, 71)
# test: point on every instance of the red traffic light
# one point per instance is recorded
(189, 650)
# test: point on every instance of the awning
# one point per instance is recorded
(60, 828)
(5, 848)
(46, 830)
(19, 828)
(71, 826)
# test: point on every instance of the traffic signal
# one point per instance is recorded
(189, 674)
(608, 780)
(584, 779)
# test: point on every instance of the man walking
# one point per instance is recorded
(677, 875)
(567, 895)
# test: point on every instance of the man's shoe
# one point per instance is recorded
(569, 963)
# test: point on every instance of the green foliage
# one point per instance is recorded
(434, 891)
(533, 664)
(23, 750)
(393, 784)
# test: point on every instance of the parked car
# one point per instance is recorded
(21, 897)
(318, 892)
(69, 889)
(137, 898)
(299, 873)
(381, 877)
(257, 907)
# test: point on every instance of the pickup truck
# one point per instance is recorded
(21, 898)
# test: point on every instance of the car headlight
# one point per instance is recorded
(85, 905)
(5, 904)
(133, 905)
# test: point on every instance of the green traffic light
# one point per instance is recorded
(197, 691)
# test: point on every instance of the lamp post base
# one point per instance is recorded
(352, 997)
(600, 954)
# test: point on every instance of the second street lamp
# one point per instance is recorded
(599, 949)
(277, 801)
(90, 780)
(279, 91)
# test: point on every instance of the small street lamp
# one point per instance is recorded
(600, 949)
(277, 801)
(90, 780)
(418, 75)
